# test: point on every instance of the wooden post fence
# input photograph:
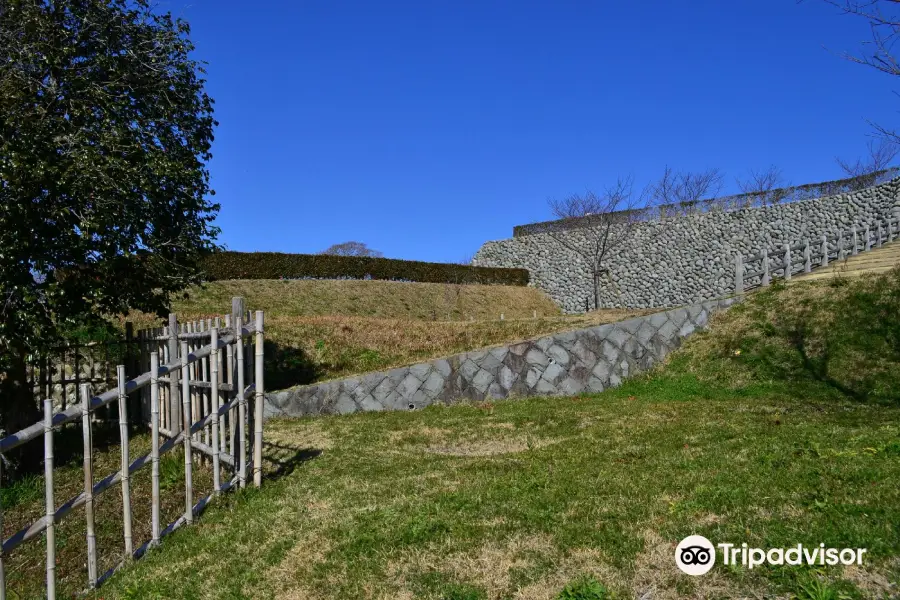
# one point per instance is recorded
(745, 277)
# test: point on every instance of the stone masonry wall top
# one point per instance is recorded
(687, 259)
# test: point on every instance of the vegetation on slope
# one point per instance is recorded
(320, 330)
(775, 428)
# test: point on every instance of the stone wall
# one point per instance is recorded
(586, 360)
(682, 260)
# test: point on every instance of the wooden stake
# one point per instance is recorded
(214, 396)
(788, 263)
(807, 257)
(765, 266)
(242, 402)
(154, 450)
(824, 250)
(738, 274)
(89, 484)
(126, 461)
(49, 502)
(186, 410)
(258, 406)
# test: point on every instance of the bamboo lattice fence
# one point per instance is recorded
(200, 390)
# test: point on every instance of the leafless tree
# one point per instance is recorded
(764, 186)
(881, 154)
(686, 188)
(609, 218)
(352, 249)
(883, 17)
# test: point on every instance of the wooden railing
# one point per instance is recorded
(191, 424)
(805, 256)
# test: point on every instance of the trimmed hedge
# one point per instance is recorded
(276, 265)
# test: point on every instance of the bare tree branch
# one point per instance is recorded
(765, 186)
(880, 156)
(612, 215)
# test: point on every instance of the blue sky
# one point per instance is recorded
(427, 128)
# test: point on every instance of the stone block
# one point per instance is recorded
(490, 363)
(433, 385)
(506, 377)
(482, 380)
(442, 366)
(409, 386)
(536, 357)
(421, 371)
(553, 373)
(602, 371)
(499, 353)
(558, 354)
(468, 370)
(583, 353)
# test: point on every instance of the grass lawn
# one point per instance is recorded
(772, 429)
(779, 426)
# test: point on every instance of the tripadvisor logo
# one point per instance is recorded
(696, 555)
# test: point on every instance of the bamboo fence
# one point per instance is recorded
(193, 394)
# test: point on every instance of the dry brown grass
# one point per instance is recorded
(331, 329)
(380, 299)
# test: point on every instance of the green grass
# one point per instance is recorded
(779, 426)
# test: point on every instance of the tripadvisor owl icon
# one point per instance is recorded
(695, 555)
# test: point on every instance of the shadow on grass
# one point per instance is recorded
(847, 338)
(286, 366)
(284, 458)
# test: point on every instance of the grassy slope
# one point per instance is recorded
(327, 329)
(377, 299)
(770, 430)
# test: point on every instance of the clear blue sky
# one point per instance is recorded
(426, 128)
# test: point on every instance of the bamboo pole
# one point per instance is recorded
(2, 570)
(89, 484)
(186, 409)
(242, 403)
(126, 461)
(154, 451)
(214, 410)
(205, 399)
(258, 404)
(232, 421)
(173, 408)
(49, 503)
(220, 371)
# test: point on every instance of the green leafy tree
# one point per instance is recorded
(105, 129)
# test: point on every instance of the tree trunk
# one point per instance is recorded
(17, 411)
(596, 290)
